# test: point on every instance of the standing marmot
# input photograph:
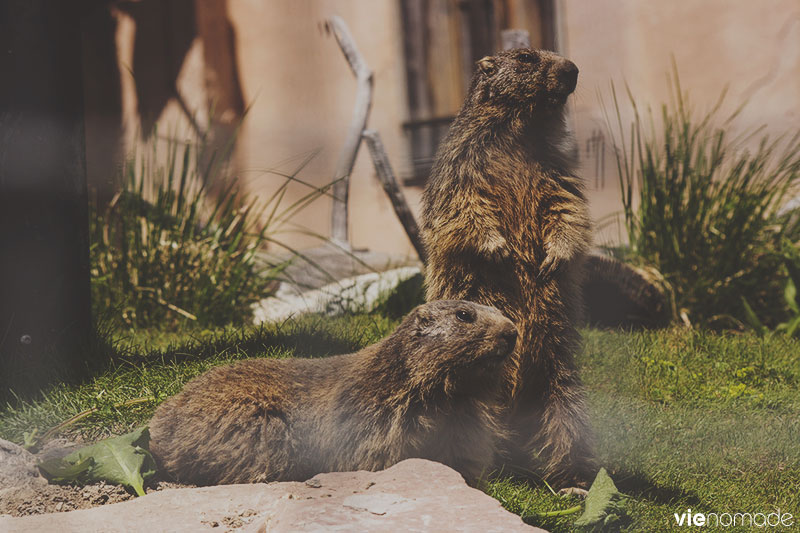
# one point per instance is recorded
(428, 390)
(506, 224)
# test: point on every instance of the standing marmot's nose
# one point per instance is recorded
(568, 75)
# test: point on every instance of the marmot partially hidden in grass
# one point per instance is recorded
(428, 390)
(506, 224)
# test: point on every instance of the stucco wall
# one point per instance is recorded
(302, 94)
(301, 90)
(753, 48)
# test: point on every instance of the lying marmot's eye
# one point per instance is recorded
(465, 316)
(525, 57)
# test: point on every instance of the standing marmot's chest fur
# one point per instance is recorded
(428, 390)
(505, 223)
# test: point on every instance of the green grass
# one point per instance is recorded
(683, 419)
(157, 366)
(686, 419)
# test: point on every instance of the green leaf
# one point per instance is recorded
(30, 440)
(792, 261)
(604, 504)
(792, 327)
(790, 296)
(752, 319)
(61, 471)
(123, 460)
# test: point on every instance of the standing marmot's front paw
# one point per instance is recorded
(493, 245)
(549, 266)
(559, 253)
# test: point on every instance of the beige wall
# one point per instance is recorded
(302, 91)
(753, 47)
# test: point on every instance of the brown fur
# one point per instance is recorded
(506, 224)
(428, 390)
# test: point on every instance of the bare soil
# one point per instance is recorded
(63, 498)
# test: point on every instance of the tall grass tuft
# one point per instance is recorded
(702, 208)
(167, 254)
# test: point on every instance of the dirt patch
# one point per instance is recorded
(63, 498)
(24, 492)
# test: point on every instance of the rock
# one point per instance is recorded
(414, 495)
(619, 295)
(314, 267)
(18, 469)
(357, 294)
(330, 280)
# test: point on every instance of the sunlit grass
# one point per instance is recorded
(682, 419)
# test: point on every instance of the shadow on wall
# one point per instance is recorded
(164, 34)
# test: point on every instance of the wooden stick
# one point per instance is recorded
(386, 175)
(347, 156)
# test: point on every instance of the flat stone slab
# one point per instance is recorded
(415, 495)
(327, 263)
(357, 294)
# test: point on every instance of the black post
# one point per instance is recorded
(45, 321)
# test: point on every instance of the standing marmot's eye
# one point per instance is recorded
(465, 316)
(526, 57)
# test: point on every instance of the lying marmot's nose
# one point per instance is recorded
(510, 336)
(568, 75)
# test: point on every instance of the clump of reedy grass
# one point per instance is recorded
(701, 206)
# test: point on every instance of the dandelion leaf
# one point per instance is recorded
(123, 460)
(604, 505)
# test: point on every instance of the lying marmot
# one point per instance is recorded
(506, 224)
(427, 390)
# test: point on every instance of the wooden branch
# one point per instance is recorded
(511, 39)
(386, 175)
(347, 156)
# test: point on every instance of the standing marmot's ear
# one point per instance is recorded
(487, 66)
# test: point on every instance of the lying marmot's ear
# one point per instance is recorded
(487, 66)
(422, 320)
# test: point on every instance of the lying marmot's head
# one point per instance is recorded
(451, 341)
(524, 79)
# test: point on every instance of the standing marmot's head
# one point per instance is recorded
(452, 341)
(524, 79)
